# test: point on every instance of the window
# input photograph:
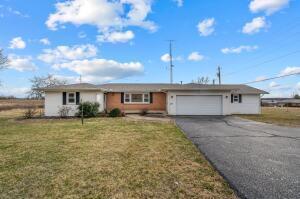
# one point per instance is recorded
(235, 98)
(146, 98)
(137, 98)
(71, 98)
(127, 97)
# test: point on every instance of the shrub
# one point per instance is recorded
(115, 113)
(64, 111)
(90, 109)
(30, 113)
(41, 113)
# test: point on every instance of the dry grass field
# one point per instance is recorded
(105, 158)
(285, 116)
(9, 104)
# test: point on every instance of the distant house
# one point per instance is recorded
(290, 102)
(171, 99)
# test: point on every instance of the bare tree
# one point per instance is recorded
(201, 80)
(3, 61)
(43, 82)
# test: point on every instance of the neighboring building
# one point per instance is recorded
(290, 102)
(171, 99)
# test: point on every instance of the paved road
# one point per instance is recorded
(258, 160)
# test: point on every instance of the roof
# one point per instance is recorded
(125, 87)
(155, 87)
(280, 100)
(71, 87)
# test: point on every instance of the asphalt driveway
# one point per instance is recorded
(258, 160)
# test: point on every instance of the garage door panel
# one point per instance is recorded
(199, 105)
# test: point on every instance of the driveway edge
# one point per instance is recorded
(231, 185)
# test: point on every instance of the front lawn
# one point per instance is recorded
(105, 158)
(277, 115)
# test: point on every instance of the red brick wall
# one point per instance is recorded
(113, 100)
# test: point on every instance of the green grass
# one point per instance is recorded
(276, 115)
(105, 158)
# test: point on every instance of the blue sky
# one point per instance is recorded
(126, 41)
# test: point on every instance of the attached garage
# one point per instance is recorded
(199, 105)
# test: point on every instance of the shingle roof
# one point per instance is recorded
(153, 87)
(71, 87)
(239, 88)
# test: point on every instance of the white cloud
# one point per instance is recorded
(17, 43)
(277, 90)
(108, 16)
(255, 25)
(166, 58)
(267, 6)
(238, 50)
(179, 3)
(45, 41)
(21, 63)
(115, 37)
(195, 56)
(206, 27)
(11, 91)
(5, 11)
(298, 86)
(290, 70)
(68, 79)
(102, 70)
(273, 85)
(65, 53)
(260, 78)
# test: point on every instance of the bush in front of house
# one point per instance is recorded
(30, 113)
(90, 109)
(115, 113)
(64, 111)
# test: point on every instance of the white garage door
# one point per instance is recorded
(198, 105)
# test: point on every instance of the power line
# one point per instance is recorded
(271, 78)
(264, 62)
(290, 26)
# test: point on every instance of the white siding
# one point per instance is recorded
(250, 105)
(172, 96)
(53, 101)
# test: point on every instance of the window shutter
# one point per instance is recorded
(122, 98)
(240, 98)
(77, 98)
(151, 98)
(64, 95)
(231, 98)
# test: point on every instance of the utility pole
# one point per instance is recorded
(82, 116)
(219, 74)
(80, 79)
(171, 61)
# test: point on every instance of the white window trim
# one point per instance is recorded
(143, 100)
(72, 103)
(237, 97)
